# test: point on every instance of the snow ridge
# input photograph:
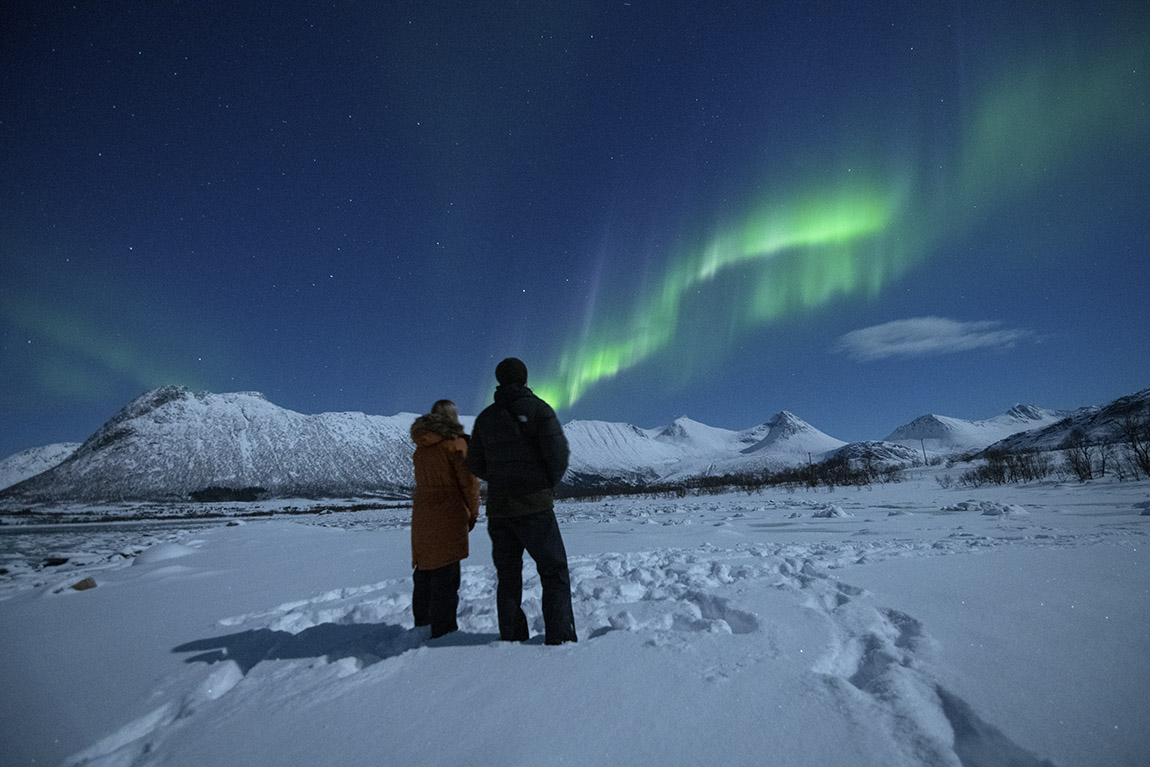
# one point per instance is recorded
(28, 463)
(1099, 424)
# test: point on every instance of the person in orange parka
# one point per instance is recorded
(443, 512)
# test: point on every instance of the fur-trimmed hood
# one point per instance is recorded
(431, 428)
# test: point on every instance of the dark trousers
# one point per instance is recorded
(435, 599)
(538, 534)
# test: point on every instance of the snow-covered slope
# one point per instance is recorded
(942, 434)
(171, 442)
(919, 626)
(694, 437)
(1099, 424)
(28, 463)
(603, 450)
(881, 453)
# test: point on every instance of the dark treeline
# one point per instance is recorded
(833, 472)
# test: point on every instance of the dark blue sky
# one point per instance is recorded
(860, 212)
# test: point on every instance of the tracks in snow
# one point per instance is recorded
(876, 663)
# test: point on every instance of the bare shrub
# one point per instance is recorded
(1079, 452)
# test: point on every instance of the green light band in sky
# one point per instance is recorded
(1033, 121)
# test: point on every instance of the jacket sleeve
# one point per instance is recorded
(553, 448)
(468, 483)
(476, 458)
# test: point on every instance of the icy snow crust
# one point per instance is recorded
(903, 625)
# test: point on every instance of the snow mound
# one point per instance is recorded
(989, 508)
(162, 552)
(831, 511)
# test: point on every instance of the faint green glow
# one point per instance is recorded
(74, 358)
(1047, 113)
(800, 252)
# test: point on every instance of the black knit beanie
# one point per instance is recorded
(511, 371)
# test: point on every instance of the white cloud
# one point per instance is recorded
(924, 337)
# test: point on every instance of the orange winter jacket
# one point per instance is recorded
(446, 502)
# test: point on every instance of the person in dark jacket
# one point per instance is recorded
(518, 447)
(443, 511)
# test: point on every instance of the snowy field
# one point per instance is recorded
(899, 625)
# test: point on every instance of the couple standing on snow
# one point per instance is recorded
(518, 447)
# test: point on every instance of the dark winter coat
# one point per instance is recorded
(446, 502)
(518, 446)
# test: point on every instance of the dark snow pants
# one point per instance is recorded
(538, 534)
(435, 599)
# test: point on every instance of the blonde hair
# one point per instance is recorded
(445, 408)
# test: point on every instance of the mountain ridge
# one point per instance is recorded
(170, 443)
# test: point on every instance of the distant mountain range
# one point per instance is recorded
(940, 434)
(172, 443)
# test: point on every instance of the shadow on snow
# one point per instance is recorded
(368, 643)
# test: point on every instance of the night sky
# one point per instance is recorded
(859, 212)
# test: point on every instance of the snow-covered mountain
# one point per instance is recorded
(1099, 424)
(942, 434)
(171, 442)
(790, 440)
(28, 463)
(783, 441)
(602, 450)
(687, 448)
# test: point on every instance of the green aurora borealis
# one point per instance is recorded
(1034, 120)
(664, 209)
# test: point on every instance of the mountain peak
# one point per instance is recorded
(786, 422)
(791, 434)
(157, 398)
(1027, 413)
(679, 429)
